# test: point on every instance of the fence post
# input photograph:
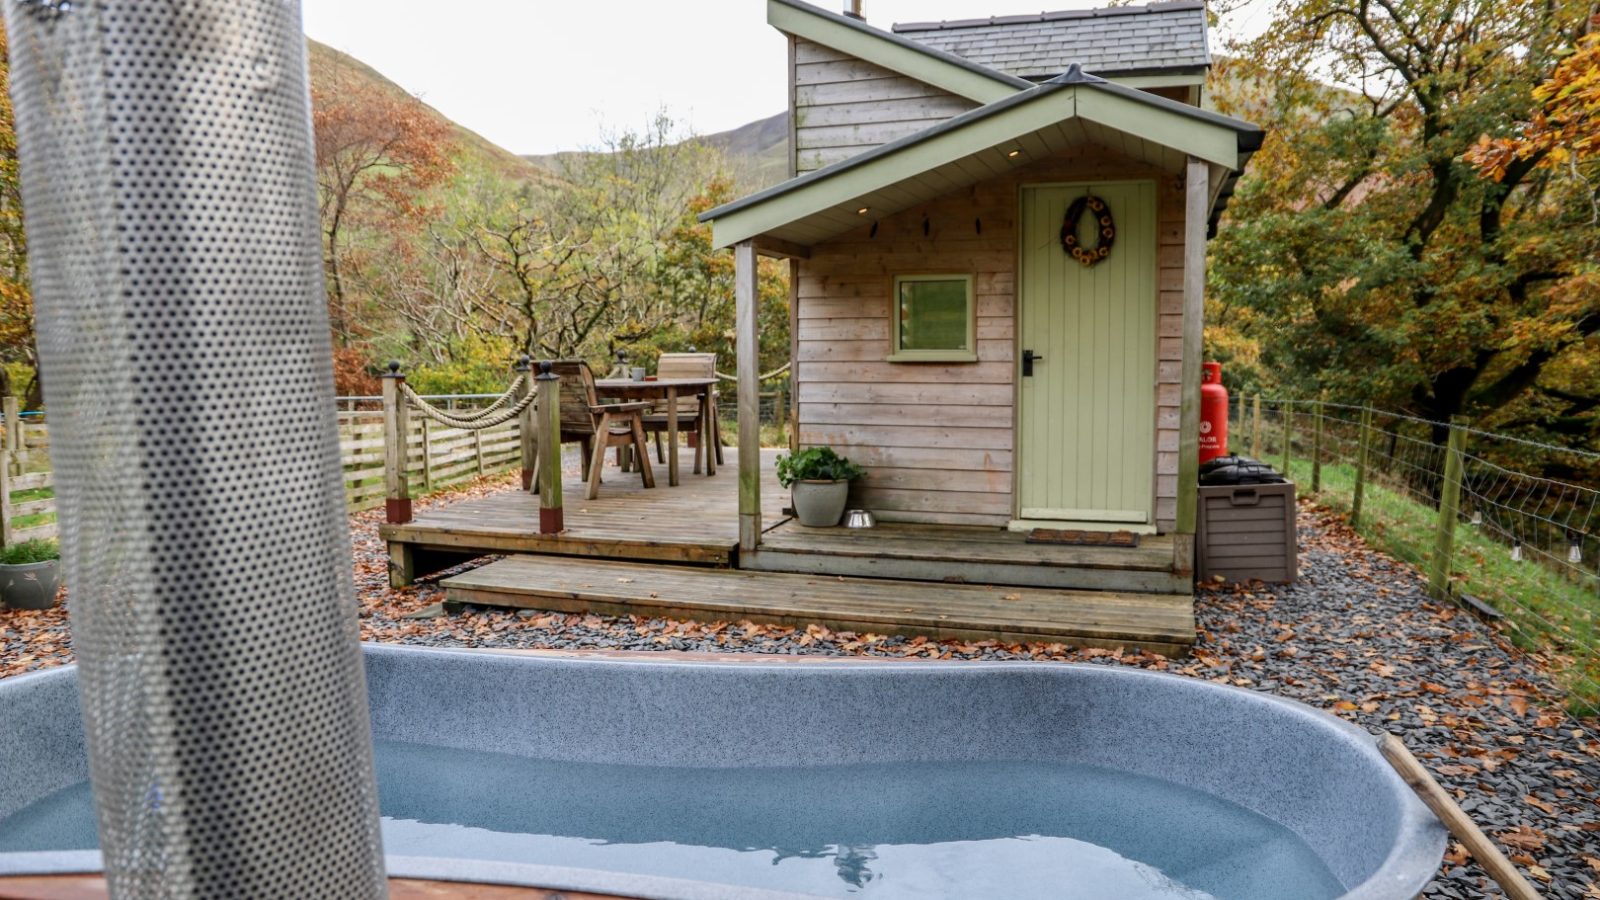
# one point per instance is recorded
(1288, 435)
(16, 437)
(1316, 447)
(528, 427)
(779, 410)
(548, 453)
(477, 449)
(1255, 430)
(396, 434)
(427, 456)
(1444, 542)
(5, 499)
(1363, 441)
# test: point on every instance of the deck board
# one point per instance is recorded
(1157, 622)
(696, 522)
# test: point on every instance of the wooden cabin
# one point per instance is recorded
(996, 236)
(987, 362)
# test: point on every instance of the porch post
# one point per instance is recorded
(745, 308)
(1196, 205)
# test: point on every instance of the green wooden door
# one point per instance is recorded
(1086, 418)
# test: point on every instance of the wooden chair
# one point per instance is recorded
(687, 365)
(594, 425)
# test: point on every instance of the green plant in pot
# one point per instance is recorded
(820, 480)
(30, 572)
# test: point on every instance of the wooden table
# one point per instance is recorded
(669, 389)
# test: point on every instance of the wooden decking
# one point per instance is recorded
(1161, 623)
(974, 555)
(674, 552)
(696, 522)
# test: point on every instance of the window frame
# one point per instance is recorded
(968, 354)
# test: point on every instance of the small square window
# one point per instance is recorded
(933, 319)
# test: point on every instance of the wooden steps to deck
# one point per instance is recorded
(955, 554)
(1161, 623)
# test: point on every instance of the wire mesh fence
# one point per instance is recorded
(1507, 525)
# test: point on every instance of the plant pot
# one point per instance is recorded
(819, 504)
(30, 585)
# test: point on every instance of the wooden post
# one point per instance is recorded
(5, 498)
(427, 456)
(1316, 447)
(396, 432)
(1363, 441)
(477, 449)
(528, 427)
(746, 299)
(16, 437)
(548, 452)
(1288, 435)
(1255, 429)
(1444, 542)
(1196, 210)
(779, 409)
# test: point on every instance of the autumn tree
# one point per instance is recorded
(16, 297)
(378, 152)
(1363, 255)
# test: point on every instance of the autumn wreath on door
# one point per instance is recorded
(1105, 231)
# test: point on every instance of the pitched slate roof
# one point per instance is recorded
(1121, 40)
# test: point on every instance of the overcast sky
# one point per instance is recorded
(536, 76)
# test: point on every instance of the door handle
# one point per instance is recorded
(1028, 359)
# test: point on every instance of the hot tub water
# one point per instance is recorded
(887, 830)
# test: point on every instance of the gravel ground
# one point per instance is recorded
(1356, 636)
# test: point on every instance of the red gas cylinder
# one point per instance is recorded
(1213, 412)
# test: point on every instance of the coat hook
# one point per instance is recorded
(874, 232)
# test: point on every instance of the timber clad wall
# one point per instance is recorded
(844, 105)
(938, 439)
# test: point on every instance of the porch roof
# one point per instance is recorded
(1072, 109)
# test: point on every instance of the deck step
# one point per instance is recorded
(1161, 623)
(967, 555)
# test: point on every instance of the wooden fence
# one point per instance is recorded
(436, 455)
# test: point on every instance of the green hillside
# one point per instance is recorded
(328, 64)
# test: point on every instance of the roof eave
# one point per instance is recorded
(1206, 135)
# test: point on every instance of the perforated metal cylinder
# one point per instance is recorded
(183, 337)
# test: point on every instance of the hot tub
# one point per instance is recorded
(700, 779)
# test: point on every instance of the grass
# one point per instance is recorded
(1547, 610)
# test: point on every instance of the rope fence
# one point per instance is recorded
(1502, 524)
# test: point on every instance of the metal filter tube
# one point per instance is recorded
(168, 183)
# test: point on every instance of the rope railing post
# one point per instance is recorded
(528, 427)
(1444, 542)
(396, 432)
(1317, 413)
(548, 453)
(1363, 442)
(1255, 428)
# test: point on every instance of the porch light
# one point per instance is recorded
(1013, 154)
(862, 211)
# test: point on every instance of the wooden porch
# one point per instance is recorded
(675, 552)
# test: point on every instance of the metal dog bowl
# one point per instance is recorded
(858, 518)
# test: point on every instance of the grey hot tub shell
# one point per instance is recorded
(1309, 771)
